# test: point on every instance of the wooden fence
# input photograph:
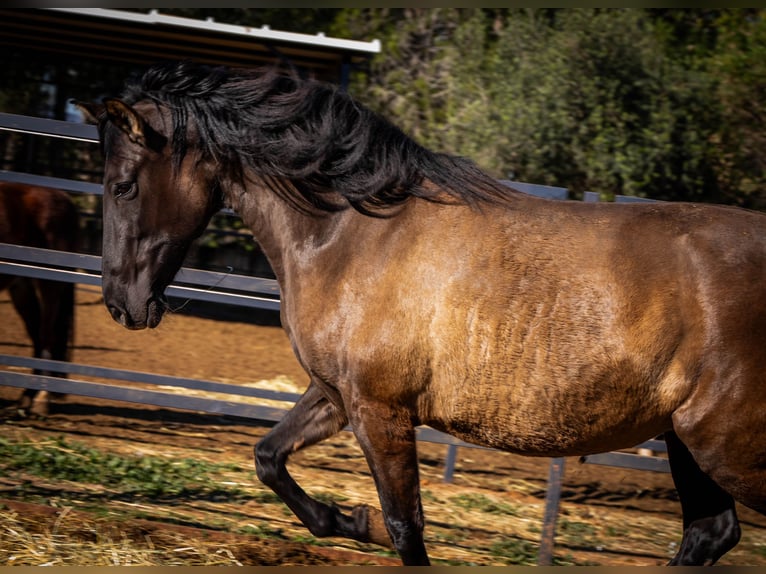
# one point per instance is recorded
(232, 289)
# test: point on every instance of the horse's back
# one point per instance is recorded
(37, 216)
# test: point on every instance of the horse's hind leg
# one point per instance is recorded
(57, 319)
(47, 309)
(24, 298)
(56, 334)
(311, 420)
(711, 527)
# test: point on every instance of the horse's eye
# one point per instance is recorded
(124, 190)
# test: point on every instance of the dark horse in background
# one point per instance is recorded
(40, 217)
(417, 290)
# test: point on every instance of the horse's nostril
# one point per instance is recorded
(117, 314)
(155, 308)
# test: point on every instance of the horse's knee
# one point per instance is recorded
(707, 539)
(268, 461)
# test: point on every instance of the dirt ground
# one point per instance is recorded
(490, 514)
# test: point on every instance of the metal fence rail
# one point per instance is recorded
(197, 284)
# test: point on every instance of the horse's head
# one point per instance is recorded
(153, 207)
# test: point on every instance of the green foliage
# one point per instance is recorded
(138, 475)
(739, 65)
(483, 504)
(426, 78)
(263, 530)
(575, 529)
(592, 103)
(662, 103)
(515, 551)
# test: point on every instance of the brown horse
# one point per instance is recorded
(416, 290)
(47, 218)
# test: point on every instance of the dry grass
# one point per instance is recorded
(68, 539)
(488, 518)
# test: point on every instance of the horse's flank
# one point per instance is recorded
(37, 216)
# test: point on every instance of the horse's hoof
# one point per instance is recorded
(39, 411)
(376, 526)
(41, 404)
(14, 412)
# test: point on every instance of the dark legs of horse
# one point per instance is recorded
(387, 437)
(24, 298)
(26, 303)
(711, 527)
(57, 321)
(311, 420)
(47, 310)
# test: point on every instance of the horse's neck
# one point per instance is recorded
(289, 238)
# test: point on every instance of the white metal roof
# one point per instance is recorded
(262, 33)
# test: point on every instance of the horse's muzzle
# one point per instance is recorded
(150, 316)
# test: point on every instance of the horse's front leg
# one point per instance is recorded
(311, 420)
(387, 437)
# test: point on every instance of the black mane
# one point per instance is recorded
(308, 137)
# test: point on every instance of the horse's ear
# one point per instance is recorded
(127, 119)
(92, 113)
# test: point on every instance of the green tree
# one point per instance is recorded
(739, 66)
(657, 103)
(428, 78)
(592, 102)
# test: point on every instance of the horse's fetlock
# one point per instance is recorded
(370, 521)
(325, 523)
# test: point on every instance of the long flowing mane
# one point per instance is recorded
(309, 139)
